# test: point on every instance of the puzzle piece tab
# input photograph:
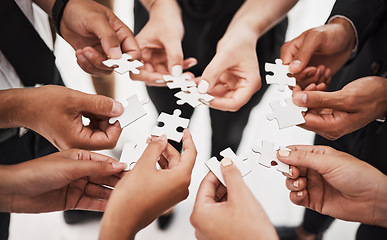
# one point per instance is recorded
(287, 116)
(132, 111)
(183, 81)
(193, 97)
(132, 153)
(123, 64)
(268, 155)
(171, 123)
(280, 76)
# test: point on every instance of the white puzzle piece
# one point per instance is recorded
(183, 81)
(280, 76)
(193, 97)
(214, 165)
(132, 153)
(171, 123)
(229, 153)
(132, 111)
(287, 116)
(123, 64)
(268, 154)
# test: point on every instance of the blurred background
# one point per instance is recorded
(267, 184)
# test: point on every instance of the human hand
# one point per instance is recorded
(334, 114)
(95, 33)
(231, 213)
(145, 192)
(72, 179)
(336, 184)
(320, 52)
(56, 113)
(160, 44)
(232, 76)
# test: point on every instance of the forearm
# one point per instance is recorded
(258, 16)
(380, 207)
(11, 103)
(156, 5)
(6, 188)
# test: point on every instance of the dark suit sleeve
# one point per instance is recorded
(366, 15)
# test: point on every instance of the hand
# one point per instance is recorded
(160, 44)
(319, 53)
(95, 32)
(145, 192)
(56, 113)
(73, 179)
(231, 213)
(334, 114)
(232, 76)
(336, 184)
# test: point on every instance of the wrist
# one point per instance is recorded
(348, 31)
(6, 188)
(11, 108)
(161, 7)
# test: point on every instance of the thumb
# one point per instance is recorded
(175, 57)
(318, 99)
(233, 179)
(152, 153)
(308, 47)
(211, 74)
(100, 105)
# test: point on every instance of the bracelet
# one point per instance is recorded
(57, 13)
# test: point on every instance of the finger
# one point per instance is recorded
(289, 49)
(189, 151)
(212, 73)
(189, 62)
(96, 139)
(172, 156)
(236, 187)
(207, 190)
(152, 153)
(98, 105)
(221, 192)
(96, 58)
(110, 181)
(175, 56)
(299, 198)
(238, 99)
(97, 191)
(317, 99)
(294, 172)
(91, 204)
(88, 67)
(297, 184)
(163, 162)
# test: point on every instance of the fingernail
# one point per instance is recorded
(177, 70)
(162, 138)
(295, 184)
(119, 165)
(296, 64)
(300, 98)
(291, 171)
(283, 153)
(88, 54)
(160, 81)
(117, 108)
(327, 74)
(300, 193)
(115, 53)
(226, 162)
(203, 86)
(192, 64)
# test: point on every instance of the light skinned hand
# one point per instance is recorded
(160, 44)
(146, 192)
(229, 213)
(320, 52)
(337, 184)
(232, 76)
(72, 179)
(335, 114)
(95, 33)
(56, 113)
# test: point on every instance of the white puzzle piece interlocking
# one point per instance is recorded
(280, 75)
(123, 64)
(131, 153)
(193, 97)
(268, 154)
(132, 111)
(183, 81)
(171, 123)
(288, 115)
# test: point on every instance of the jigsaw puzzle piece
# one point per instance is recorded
(268, 155)
(229, 153)
(280, 75)
(183, 81)
(214, 165)
(171, 123)
(286, 116)
(123, 64)
(132, 111)
(193, 97)
(131, 153)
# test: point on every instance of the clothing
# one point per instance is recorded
(205, 23)
(369, 142)
(14, 148)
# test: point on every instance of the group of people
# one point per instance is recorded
(340, 67)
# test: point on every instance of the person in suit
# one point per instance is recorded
(351, 45)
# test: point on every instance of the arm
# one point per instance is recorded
(336, 184)
(73, 179)
(233, 74)
(56, 113)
